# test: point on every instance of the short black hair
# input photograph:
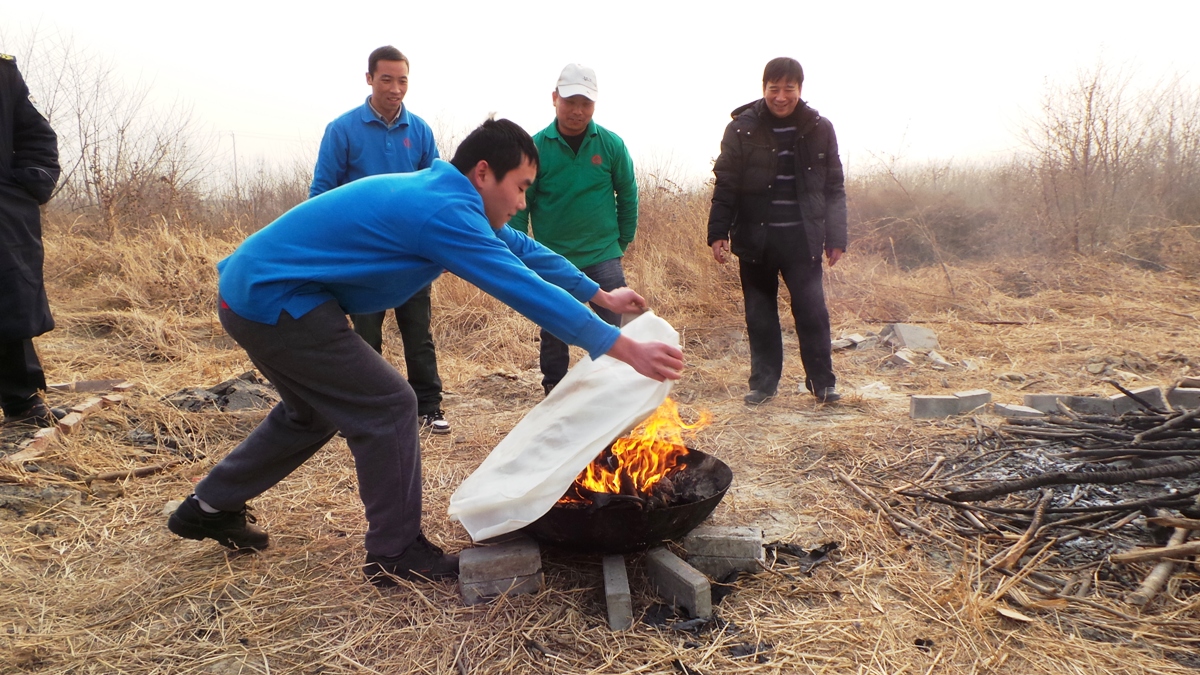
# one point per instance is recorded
(500, 143)
(783, 68)
(384, 53)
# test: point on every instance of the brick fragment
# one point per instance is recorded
(679, 583)
(927, 407)
(616, 593)
(112, 399)
(123, 386)
(70, 422)
(89, 406)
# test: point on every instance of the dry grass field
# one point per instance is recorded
(92, 582)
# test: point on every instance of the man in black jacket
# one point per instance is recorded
(780, 199)
(28, 172)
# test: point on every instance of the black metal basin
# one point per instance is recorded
(624, 528)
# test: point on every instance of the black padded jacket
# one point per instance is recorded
(745, 171)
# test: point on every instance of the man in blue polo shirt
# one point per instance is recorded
(382, 136)
(359, 248)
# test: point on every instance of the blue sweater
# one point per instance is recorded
(359, 144)
(375, 242)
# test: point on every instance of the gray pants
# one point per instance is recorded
(329, 380)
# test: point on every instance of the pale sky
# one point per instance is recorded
(918, 80)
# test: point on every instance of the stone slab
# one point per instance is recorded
(908, 335)
(1152, 395)
(1010, 410)
(1090, 405)
(922, 406)
(519, 557)
(725, 542)
(616, 593)
(1047, 403)
(1185, 397)
(975, 398)
(678, 583)
(482, 591)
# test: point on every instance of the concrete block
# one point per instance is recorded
(89, 406)
(679, 583)
(482, 591)
(1185, 397)
(907, 335)
(724, 542)
(1190, 383)
(518, 557)
(855, 338)
(70, 422)
(1090, 405)
(1152, 395)
(869, 343)
(927, 407)
(1047, 403)
(939, 362)
(903, 358)
(1009, 410)
(844, 343)
(975, 398)
(616, 593)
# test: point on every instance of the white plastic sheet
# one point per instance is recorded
(533, 466)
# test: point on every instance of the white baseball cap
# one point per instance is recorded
(578, 79)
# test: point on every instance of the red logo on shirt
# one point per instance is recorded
(407, 142)
(596, 160)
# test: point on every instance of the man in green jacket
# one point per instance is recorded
(583, 204)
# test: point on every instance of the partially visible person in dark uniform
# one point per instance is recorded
(28, 172)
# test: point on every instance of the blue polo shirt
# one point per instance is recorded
(373, 243)
(359, 144)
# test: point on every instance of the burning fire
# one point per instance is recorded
(651, 452)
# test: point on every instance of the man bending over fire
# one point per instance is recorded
(364, 247)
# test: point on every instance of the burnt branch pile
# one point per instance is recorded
(1089, 511)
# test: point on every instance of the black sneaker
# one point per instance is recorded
(233, 529)
(37, 415)
(421, 561)
(547, 388)
(827, 395)
(435, 422)
(758, 397)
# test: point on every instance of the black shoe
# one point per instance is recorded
(758, 397)
(421, 561)
(435, 422)
(547, 388)
(38, 415)
(233, 529)
(827, 395)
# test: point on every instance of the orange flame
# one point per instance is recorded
(644, 457)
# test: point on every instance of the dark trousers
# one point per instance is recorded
(420, 358)
(328, 380)
(21, 376)
(760, 288)
(555, 356)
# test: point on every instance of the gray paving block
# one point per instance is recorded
(1090, 405)
(1185, 397)
(1152, 395)
(1009, 410)
(474, 593)
(517, 557)
(907, 335)
(1047, 403)
(616, 593)
(926, 407)
(725, 542)
(975, 398)
(679, 583)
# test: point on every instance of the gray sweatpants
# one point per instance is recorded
(329, 380)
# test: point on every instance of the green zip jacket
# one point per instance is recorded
(582, 206)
